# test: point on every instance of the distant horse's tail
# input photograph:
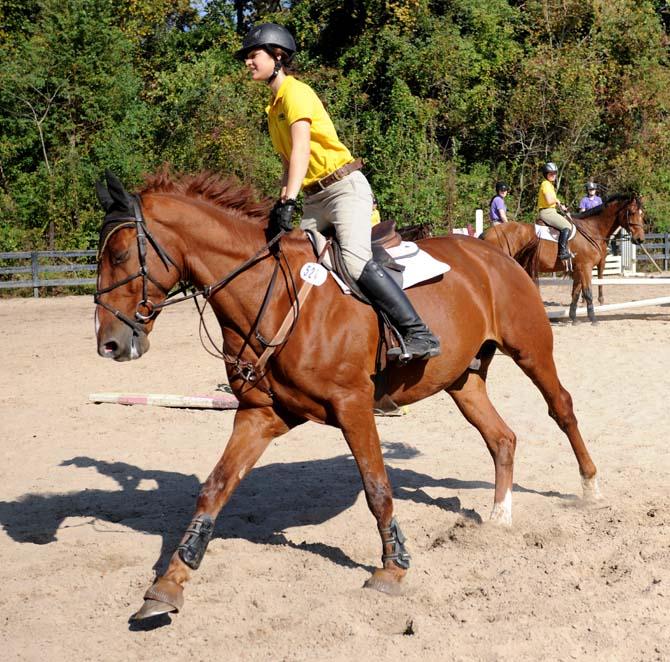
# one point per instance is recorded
(529, 257)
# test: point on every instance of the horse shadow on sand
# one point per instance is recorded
(270, 500)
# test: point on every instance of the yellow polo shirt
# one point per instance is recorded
(297, 101)
(545, 188)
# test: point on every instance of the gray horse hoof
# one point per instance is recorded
(163, 597)
(152, 608)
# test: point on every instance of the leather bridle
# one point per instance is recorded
(628, 224)
(146, 310)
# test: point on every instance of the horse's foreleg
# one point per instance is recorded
(252, 432)
(601, 271)
(360, 431)
(469, 394)
(588, 295)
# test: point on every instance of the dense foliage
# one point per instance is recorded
(440, 97)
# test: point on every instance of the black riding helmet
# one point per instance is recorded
(501, 186)
(267, 36)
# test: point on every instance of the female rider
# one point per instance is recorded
(337, 194)
(497, 207)
(546, 205)
(591, 199)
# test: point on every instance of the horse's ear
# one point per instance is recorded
(103, 196)
(117, 191)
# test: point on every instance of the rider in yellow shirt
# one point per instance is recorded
(547, 202)
(337, 194)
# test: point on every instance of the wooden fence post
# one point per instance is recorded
(35, 272)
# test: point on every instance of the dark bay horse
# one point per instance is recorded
(212, 234)
(589, 244)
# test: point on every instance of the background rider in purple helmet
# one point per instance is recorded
(498, 208)
(590, 200)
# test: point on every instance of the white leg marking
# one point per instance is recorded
(591, 489)
(502, 511)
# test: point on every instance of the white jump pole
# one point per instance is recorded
(609, 281)
(479, 222)
(660, 301)
(223, 401)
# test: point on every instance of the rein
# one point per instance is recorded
(626, 224)
(147, 310)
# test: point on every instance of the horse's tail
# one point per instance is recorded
(529, 257)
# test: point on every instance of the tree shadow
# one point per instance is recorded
(311, 493)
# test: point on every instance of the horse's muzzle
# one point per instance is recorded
(121, 343)
(637, 241)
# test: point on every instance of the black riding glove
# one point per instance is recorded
(281, 216)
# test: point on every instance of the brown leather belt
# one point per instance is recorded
(335, 176)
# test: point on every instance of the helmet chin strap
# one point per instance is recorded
(277, 69)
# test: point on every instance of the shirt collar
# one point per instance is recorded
(280, 91)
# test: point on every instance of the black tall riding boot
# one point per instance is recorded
(563, 250)
(387, 296)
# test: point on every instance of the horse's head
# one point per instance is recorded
(631, 218)
(135, 274)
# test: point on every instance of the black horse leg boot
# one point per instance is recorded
(563, 250)
(387, 296)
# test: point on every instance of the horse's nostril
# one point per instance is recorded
(110, 348)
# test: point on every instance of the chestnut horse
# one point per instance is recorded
(589, 245)
(212, 234)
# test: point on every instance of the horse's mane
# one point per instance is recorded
(617, 197)
(224, 192)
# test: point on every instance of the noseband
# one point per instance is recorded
(146, 310)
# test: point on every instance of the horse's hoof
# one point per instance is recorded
(575, 322)
(591, 490)
(386, 581)
(152, 608)
(594, 322)
(162, 597)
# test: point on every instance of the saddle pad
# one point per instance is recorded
(551, 234)
(419, 265)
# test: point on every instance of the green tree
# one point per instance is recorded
(71, 106)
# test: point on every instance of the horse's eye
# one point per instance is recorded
(119, 258)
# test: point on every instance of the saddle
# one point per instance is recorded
(384, 235)
(549, 232)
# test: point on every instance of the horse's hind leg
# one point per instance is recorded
(469, 394)
(539, 365)
(253, 430)
(576, 291)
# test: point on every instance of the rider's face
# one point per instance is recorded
(260, 64)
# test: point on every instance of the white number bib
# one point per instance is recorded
(313, 273)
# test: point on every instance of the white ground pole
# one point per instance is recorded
(479, 222)
(222, 401)
(659, 301)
